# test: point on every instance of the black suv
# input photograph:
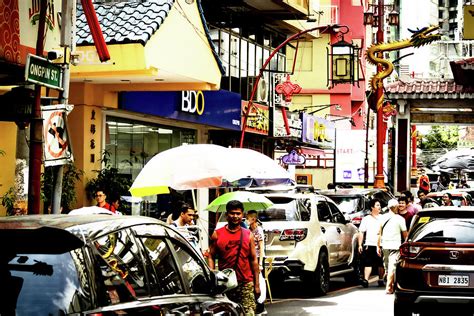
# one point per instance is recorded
(355, 201)
(104, 265)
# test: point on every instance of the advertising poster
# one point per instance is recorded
(350, 155)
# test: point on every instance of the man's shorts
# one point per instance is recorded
(390, 257)
(370, 258)
(244, 295)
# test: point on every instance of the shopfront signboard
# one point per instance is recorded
(215, 108)
(318, 131)
(294, 124)
(258, 121)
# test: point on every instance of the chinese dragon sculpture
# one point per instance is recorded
(419, 38)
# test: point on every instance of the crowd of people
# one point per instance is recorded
(240, 246)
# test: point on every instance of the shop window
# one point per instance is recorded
(132, 144)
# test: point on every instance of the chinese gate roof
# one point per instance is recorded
(428, 89)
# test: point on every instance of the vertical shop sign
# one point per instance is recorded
(57, 148)
(258, 119)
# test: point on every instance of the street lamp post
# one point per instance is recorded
(379, 178)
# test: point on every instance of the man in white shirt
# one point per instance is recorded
(368, 243)
(392, 233)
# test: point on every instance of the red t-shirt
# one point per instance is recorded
(227, 245)
(424, 183)
(109, 207)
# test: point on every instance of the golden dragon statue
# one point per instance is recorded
(419, 38)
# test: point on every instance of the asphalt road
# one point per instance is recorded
(340, 301)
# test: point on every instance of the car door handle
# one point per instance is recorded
(183, 310)
(323, 229)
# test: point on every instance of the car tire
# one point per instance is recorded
(355, 276)
(318, 281)
(401, 309)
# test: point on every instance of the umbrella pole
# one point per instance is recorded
(194, 198)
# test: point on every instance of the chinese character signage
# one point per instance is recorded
(258, 118)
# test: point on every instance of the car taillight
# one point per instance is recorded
(297, 234)
(356, 220)
(408, 250)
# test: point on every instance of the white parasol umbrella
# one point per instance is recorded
(206, 166)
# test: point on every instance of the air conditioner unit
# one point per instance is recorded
(261, 94)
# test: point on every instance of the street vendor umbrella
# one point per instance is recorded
(205, 166)
(250, 200)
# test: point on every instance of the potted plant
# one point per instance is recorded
(109, 179)
(68, 195)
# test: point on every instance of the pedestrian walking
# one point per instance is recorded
(424, 181)
(403, 211)
(447, 199)
(101, 199)
(392, 233)
(233, 246)
(258, 234)
(425, 201)
(186, 216)
(411, 206)
(368, 243)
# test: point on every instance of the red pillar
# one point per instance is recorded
(413, 151)
(379, 181)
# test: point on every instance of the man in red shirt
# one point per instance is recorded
(234, 247)
(100, 198)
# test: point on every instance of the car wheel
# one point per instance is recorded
(356, 275)
(401, 309)
(318, 281)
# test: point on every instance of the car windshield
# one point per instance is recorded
(460, 230)
(40, 284)
(347, 204)
(286, 209)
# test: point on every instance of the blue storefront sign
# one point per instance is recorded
(216, 108)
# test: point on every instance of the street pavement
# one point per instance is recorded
(349, 301)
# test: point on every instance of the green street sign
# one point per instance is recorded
(40, 71)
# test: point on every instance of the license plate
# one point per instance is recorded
(453, 280)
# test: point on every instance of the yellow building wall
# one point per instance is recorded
(179, 47)
(186, 51)
(7, 159)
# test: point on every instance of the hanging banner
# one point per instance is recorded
(318, 131)
(57, 147)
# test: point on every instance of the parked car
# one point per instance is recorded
(104, 265)
(308, 237)
(460, 197)
(355, 201)
(435, 266)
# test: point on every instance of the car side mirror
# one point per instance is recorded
(226, 280)
(347, 219)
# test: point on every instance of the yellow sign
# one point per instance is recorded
(468, 33)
